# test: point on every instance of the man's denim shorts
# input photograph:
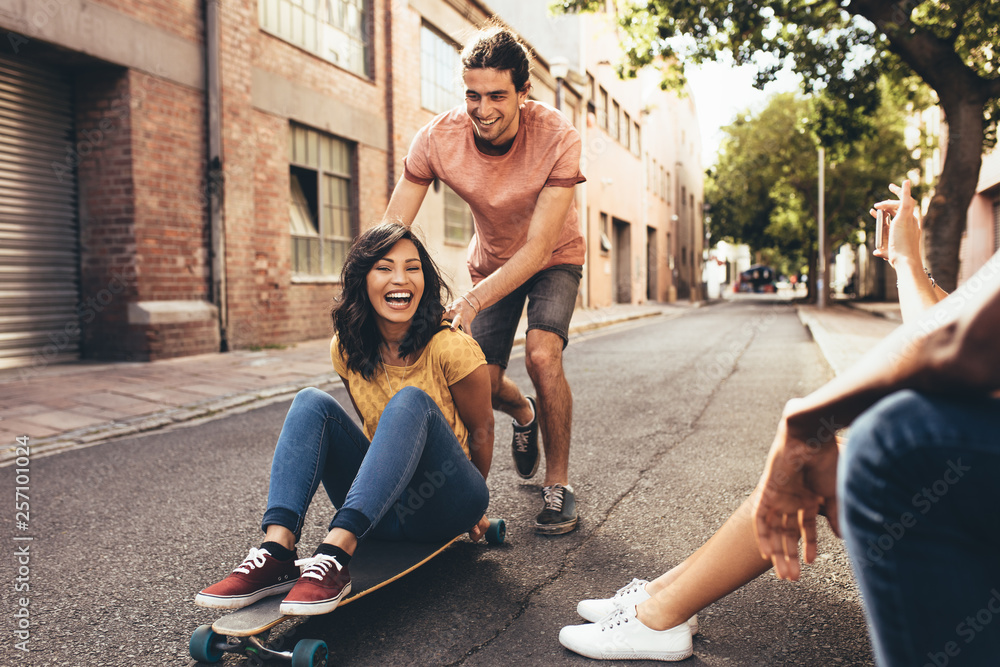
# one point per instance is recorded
(551, 295)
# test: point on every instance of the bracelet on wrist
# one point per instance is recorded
(930, 277)
(474, 309)
(479, 304)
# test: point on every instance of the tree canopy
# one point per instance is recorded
(763, 190)
(842, 47)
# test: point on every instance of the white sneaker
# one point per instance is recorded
(629, 595)
(622, 636)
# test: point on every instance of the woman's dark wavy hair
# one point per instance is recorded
(496, 46)
(353, 314)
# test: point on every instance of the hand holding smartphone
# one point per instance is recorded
(882, 231)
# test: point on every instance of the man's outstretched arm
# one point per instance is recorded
(546, 224)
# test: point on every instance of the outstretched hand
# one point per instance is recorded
(479, 530)
(798, 484)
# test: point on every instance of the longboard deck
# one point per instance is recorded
(375, 564)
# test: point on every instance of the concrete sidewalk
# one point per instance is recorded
(69, 405)
(846, 331)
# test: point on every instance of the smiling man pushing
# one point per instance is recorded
(515, 162)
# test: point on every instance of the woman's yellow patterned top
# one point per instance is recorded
(448, 358)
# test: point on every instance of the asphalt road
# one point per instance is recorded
(672, 421)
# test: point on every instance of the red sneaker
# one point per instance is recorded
(257, 577)
(323, 584)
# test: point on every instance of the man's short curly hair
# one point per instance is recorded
(496, 46)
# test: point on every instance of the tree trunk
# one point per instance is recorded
(946, 215)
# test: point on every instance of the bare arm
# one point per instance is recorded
(916, 293)
(405, 202)
(472, 399)
(543, 232)
(948, 349)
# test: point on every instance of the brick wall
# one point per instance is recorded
(171, 217)
(169, 162)
(143, 225)
(184, 18)
(109, 273)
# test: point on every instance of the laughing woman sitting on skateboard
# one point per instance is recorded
(423, 394)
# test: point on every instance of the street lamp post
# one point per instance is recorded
(821, 260)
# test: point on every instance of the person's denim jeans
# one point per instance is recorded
(919, 487)
(411, 482)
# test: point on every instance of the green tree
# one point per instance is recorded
(763, 190)
(843, 48)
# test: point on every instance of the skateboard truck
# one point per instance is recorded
(206, 645)
(246, 630)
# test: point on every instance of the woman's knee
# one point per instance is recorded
(410, 397)
(311, 397)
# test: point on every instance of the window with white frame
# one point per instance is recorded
(440, 64)
(321, 210)
(602, 108)
(335, 30)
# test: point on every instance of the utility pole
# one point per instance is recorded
(821, 260)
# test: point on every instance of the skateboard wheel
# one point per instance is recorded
(204, 645)
(497, 532)
(310, 653)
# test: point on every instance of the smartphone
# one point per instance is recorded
(881, 230)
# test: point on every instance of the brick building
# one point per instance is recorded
(185, 176)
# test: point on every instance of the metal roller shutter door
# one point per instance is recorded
(39, 252)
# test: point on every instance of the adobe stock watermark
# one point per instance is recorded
(723, 361)
(22, 544)
(967, 630)
(922, 502)
(947, 310)
(41, 13)
(423, 490)
(86, 312)
(91, 139)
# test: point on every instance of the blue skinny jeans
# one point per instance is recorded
(919, 486)
(412, 482)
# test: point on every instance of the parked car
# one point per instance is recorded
(758, 278)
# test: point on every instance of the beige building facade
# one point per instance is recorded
(642, 204)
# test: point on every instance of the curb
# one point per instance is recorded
(820, 336)
(194, 412)
(214, 408)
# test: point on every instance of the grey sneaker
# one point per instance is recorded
(559, 514)
(524, 445)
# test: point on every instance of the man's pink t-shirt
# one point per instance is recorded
(502, 190)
